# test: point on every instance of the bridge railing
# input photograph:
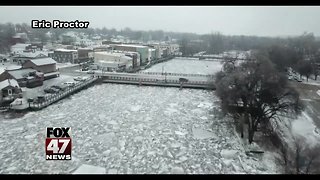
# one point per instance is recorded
(177, 74)
(141, 79)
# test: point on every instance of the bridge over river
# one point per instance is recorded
(160, 79)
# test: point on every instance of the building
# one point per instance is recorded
(9, 91)
(101, 48)
(25, 77)
(48, 66)
(135, 58)
(152, 54)
(142, 50)
(112, 61)
(165, 49)
(23, 56)
(19, 48)
(84, 42)
(64, 56)
(85, 55)
(20, 38)
(68, 39)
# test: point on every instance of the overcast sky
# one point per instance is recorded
(230, 20)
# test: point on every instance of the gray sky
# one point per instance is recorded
(230, 20)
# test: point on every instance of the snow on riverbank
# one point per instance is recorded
(305, 127)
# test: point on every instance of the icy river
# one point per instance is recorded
(131, 129)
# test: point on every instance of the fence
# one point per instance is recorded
(178, 74)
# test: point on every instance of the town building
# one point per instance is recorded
(64, 56)
(48, 66)
(85, 55)
(142, 50)
(19, 38)
(25, 77)
(111, 61)
(20, 58)
(19, 48)
(101, 48)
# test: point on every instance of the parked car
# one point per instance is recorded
(51, 90)
(70, 83)
(90, 72)
(85, 69)
(57, 87)
(40, 99)
(79, 78)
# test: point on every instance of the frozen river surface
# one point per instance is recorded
(179, 65)
(135, 130)
(130, 129)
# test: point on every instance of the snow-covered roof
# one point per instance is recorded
(87, 48)
(20, 73)
(43, 61)
(33, 54)
(8, 82)
(114, 54)
(131, 45)
(66, 50)
(111, 63)
(20, 45)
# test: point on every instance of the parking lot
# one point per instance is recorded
(61, 81)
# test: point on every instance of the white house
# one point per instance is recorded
(112, 61)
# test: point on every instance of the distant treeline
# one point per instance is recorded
(217, 43)
(190, 42)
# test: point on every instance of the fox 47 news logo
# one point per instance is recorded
(58, 143)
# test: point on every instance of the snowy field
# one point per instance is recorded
(130, 129)
(189, 66)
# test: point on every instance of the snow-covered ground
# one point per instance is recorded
(189, 66)
(130, 129)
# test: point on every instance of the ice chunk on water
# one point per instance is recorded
(180, 133)
(138, 138)
(177, 170)
(228, 154)
(89, 169)
(112, 122)
(202, 134)
(135, 108)
(112, 171)
(31, 136)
